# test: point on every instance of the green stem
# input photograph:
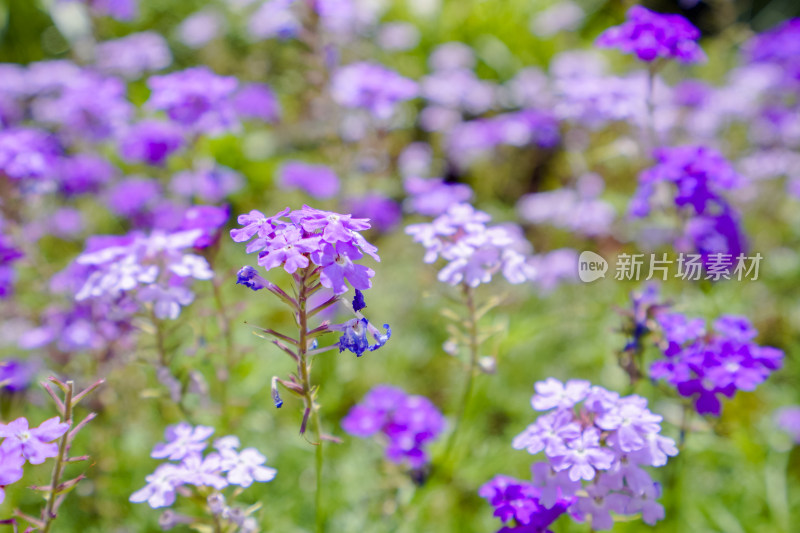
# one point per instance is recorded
(304, 369)
(49, 514)
(474, 347)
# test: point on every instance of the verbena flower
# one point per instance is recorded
(11, 463)
(705, 366)
(133, 55)
(651, 36)
(151, 142)
(150, 268)
(16, 375)
(474, 251)
(318, 181)
(331, 241)
(196, 98)
(34, 444)
(409, 423)
(517, 504)
(597, 441)
(372, 87)
(216, 469)
(208, 182)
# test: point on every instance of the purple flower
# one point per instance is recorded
(290, 249)
(583, 456)
(133, 196)
(84, 173)
(182, 440)
(383, 213)
(151, 142)
(706, 366)
(318, 181)
(34, 444)
(548, 434)
(354, 336)
(274, 19)
(551, 393)
(28, 154)
(373, 87)
(599, 504)
(245, 467)
(160, 488)
(133, 55)
(198, 29)
(16, 375)
(11, 463)
(195, 98)
(518, 502)
(652, 35)
(336, 227)
(433, 196)
(257, 101)
(408, 422)
(249, 277)
(337, 262)
(209, 182)
(203, 471)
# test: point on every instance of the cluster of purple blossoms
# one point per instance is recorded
(16, 375)
(779, 46)
(123, 10)
(472, 140)
(704, 365)
(652, 35)
(225, 466)
(700, 176)
(474, 251)
(517, 504)
(579, 210)
(372, 87)
(409, 423)
(595, 452)
(23, 443)
(318, 181)
(195, 98)
(133, 55)
(434, 196)
(156, 266)
(330, 241)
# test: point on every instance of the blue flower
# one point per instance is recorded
(355, 338)
(249, 277)
(358, 301)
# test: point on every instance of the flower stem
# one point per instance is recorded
(49, 513)
(474, 347)
(304, 370)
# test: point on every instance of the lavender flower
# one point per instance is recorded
(373, 87)
(28, 154)
(34, 444)
(196, 98)
(11, 463)
(84, 173)
(216, 470)
(518, 502)
(208, 182)
(318, 181)
(133, 55)
(257, 101)
(155, 266)
(199, 29)
(596, 440)
(433, 196)
(329, 240)
(652, 35)
(8, 255)
(704, 366)
(274, 19)
(475, 252)
(151, 142)
(788, 420)
(16, 375)
(408, 422)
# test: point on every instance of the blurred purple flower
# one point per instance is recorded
(151, 142)
(373, 87)
(133, 55)
(318, 181)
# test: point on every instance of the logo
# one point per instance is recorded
(591, 267)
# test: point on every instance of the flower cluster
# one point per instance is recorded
(595, 451)
(518, 502)
(155, 266)
(704, 365)
(318, 181)
(700, 176)
(22, 443)
(219, 469)
(578, 210)
(652, 35)
(409, 423)
(330, 241)
(471, 140)
(372, 87)
(8, 255)
(474, 251)
(16, 375)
